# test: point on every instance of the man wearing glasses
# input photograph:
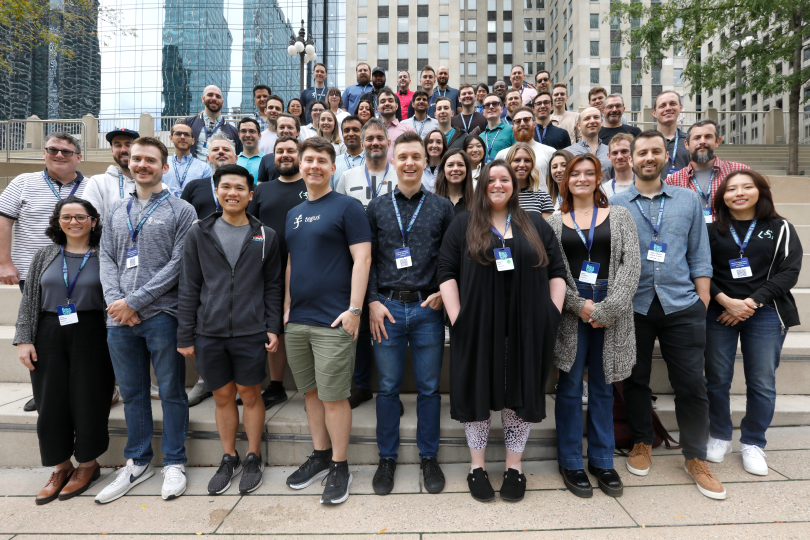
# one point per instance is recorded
(542, 82)
(612, 111)
(545, 132)
(250, 156)
(183, 167)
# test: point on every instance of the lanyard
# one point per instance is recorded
(486, 139)
(423, 124)
(502, 237)
(479, 109)
(134, 232)
(539, 136)
(53, 189)
(183, 181)
(675, 148)
(318, 96)
(657, 227)
(76, 277)
(744, 243)
(449, 135)
(209, 133)
(707, 198)
(120, 184)
(214, 191)
(413, 219)
(467, 124)
(349, 163)
(589, 242)
(379, 185)
(613, 183)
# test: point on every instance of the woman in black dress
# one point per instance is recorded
(454, 180)
(502, 278)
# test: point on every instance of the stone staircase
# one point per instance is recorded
(765, 159)
(286, 438)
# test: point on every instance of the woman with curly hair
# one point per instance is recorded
(61, 337)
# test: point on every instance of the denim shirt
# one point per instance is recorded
(688, 255)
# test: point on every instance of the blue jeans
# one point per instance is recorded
(568, 405)
(423, 329)
(130, 350)
(761, 340)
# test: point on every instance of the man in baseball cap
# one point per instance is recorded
(378, 82)
(104, 189)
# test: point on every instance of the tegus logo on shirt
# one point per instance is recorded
(306, 220)
(297, 221)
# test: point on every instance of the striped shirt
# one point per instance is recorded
(346, 162)
(535, 201)
(29, 201)
(685, 177)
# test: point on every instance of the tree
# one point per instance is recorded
(768, 36)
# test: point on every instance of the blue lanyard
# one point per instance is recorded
(657, 227)
(413, 219)
(449, 135)
(209, 133)
(467, 124)
(479, 109)
(214, 191)
(120, 184)
(744, 243)
(588, 243)
(318, 96)
(379, 185)
(53, 189)
(183, 181)
(423, 123)
(437, 91)
(675, 148)
(349, 165)
(84, 261)
(136, 231)
(502, 237)
(707, 198)
(543, 136)
(613, 183)
(486, 139)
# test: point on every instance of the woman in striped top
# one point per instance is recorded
(521, 158)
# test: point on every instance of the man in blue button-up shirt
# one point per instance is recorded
(670, 305)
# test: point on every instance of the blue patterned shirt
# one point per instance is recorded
(183, 171)
(346, 162)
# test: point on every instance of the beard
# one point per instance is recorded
(655, 175)
(362, 81)
(119, 160)
(524, 136)
(378, 85)
(216, 165)
(288, 169)
(702, 155)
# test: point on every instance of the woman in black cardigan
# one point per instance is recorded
(502, 278)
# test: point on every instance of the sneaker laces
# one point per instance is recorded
(386, 466)
(123, 474)
(172, 474)
(753, 451)
(224, 464)
(331, 479)
(701, 467)
(716, 443)
(431, 467)
(638, 449)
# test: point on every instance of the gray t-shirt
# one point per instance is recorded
(87, 294)
(704, 178)
(232, 238)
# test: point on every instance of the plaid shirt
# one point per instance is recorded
(685, 177)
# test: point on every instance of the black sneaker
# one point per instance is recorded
(252, 476)
(432, 475)
(358, 396)
(229, 467)
(383, 482)
(30, 405)
(272, 398)
(514, 486)
(480, 488)
(337, 484)
(311, 471)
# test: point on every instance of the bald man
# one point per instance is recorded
(590, 122)
(210, 121)
(444, 90)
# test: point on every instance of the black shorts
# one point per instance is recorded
(240, 359)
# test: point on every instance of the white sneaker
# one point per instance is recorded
(154, 391)
(754, 460)
(447, 334)
(116, 397)
(127, 478)
(174, 482)
(197, 394)
(584, 393)
(716, 450)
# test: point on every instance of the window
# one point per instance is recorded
(444, 49)
(635, 76)
(492, 26)
(507, 26)
(461, 69)
(614, 23)
(635, 104)
(594, 21)
(402, 51)
(382, 51)
(362, 24)
(444, 1)
(492, 5)
(656, 75)
(594, 75)
(492, 48)
(677, 76)
(461, 25)
(541, 66)
(565, 42)
(362, 2)
(565, 67)
(540, 24)
(472, 4)
(527, 24)
(362, 51)
(570, 86)
(615, 76)
(382, 24)
(471, 25)
(615, 49)
(402, 24)
(527, 4)
(461, 47)
(402, 2)
(594, 48)
(472, 46)
(677, 49)
(528, 67)
(382, 2)
(421, 24)
(444, 22)
(507, 47)
(507, 70)
(507, 5)
(492, 70)
(527, 46)
(541, 45)
(472, 69)
(422, 50)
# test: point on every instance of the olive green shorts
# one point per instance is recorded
(321, 358)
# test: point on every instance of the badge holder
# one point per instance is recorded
(707, 216)
(740, 268)
(503, 259)
(67, 313)
(132, 257)
(589, 272)
(657, 252)
(403, 257)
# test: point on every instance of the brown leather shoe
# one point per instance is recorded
(55, 484)
(82, 478)
(640, 459)
(707, 484)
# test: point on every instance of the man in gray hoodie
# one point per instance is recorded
(140, 256)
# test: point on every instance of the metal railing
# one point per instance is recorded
(25, 139)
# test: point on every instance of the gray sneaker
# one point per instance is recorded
(252, 475)
(229, 467)
(198, 394)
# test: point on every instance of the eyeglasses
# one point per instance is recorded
(616, 106)
(519, 121)
(248, 132)
(491, 104)
(54, 151)
(542, 80)
(544, 103)
(80, 218)
(181, 134)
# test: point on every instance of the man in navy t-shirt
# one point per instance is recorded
(329, 245)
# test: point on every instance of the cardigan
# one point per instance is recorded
(615, 313)
(31, 302)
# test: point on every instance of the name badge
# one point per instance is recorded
(67, 314)
(589, 272)
(707, 215)
(657, 252)
(132, 257)
(740, 268)
(503, 259)
(403, 257)
(673, 170)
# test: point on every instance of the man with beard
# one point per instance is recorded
(378, 82)
(514, 99)
(261, 93)
(287, 126)
(352, 94)
(590, 122)
(523, 131)
(271, 202)
(388, 107)
(542, 82)
(184, 166)
(670, 305)
(104, 189)
(209, 122)
(613, 111)
(428, 80)
(545, 132)
(444, 115)
(527, 92)
(619, 155)
(317, 92)
(200, 193)
(421, 121)
(468, 119)
(667, 107)
(275, 106)
(562, 118)
(705, 171)
(443, 90)
(250, 157)
(404, 92)
(354, 156)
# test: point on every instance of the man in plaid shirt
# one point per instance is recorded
(705, 171)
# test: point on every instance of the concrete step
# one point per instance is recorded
(287, 440)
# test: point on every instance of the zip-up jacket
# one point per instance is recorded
(104, 189)
(196, 124)
(220, 301)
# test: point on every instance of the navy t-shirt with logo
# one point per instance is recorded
(318, 235)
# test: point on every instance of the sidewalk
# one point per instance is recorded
(663, 505)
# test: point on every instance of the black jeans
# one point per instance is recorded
(73, 382)
(682, 336)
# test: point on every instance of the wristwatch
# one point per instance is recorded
(355, 311)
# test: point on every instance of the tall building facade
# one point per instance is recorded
(327, 26)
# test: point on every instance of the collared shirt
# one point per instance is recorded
(263, 124)
(184, 170)
(682, 158)
(346, 162)
(422, 127)
(528, 94)
(688, 255)
(568, 121)
(307, 132)
(397, 128)
(352, 94)
(251, 164)
(424, 241)
(601, 152)
(202, 138)
(496, 139)
(404, 99)
(685, 177)
(429, 178)
(448, 92)
(542, 157)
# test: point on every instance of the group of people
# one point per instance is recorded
(333, 238)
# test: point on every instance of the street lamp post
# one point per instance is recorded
(303, 47)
